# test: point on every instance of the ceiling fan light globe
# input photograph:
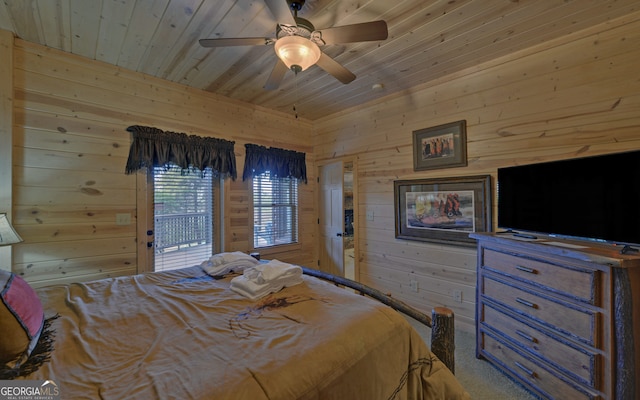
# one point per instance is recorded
(297, 51)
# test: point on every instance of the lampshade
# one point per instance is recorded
(7, 234)
(296, 52)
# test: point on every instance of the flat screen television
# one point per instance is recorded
(596, 198)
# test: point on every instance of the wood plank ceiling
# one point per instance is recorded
(427, 40)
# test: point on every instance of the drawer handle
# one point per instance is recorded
(526, 303)
(526, 370)
(526, 269)
(526, 336)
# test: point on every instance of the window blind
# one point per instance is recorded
(183, 218)
(275, 210)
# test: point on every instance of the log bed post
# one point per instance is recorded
(442, 323)
(443, 336)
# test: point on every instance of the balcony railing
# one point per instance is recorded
(176, 231)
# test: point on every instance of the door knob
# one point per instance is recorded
(339, 234)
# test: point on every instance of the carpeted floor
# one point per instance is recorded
(481, 380)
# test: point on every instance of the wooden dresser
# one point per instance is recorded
(560, 316)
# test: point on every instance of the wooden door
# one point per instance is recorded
(331, 218)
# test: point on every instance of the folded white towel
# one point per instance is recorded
(271, 271)
(223, 263)
(259, 281)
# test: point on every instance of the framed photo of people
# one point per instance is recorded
(442, 146)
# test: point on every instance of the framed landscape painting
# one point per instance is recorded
(443, 210)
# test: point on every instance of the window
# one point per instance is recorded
(275, 210)
(184, 218)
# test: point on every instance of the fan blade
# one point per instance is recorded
(281, 11)
(367, 31)
(222, 42)
(334, 68)
(277, 74)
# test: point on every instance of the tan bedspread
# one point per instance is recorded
(183, 335)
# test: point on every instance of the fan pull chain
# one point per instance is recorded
(295, 89)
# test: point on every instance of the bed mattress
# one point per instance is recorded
(184, 335)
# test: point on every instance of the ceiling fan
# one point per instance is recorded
(297, 42)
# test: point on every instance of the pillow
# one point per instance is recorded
(21, 319)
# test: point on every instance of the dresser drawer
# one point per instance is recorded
(578, 323)
(579, 284)
(532, 373)
(581, 363)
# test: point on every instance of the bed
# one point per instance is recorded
(183, 334)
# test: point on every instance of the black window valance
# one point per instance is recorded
(279, 162)
(152, 147)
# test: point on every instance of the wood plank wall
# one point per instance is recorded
(578, 96)
(6, 138)
(69, 154)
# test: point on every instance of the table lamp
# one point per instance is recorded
(8, 235)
